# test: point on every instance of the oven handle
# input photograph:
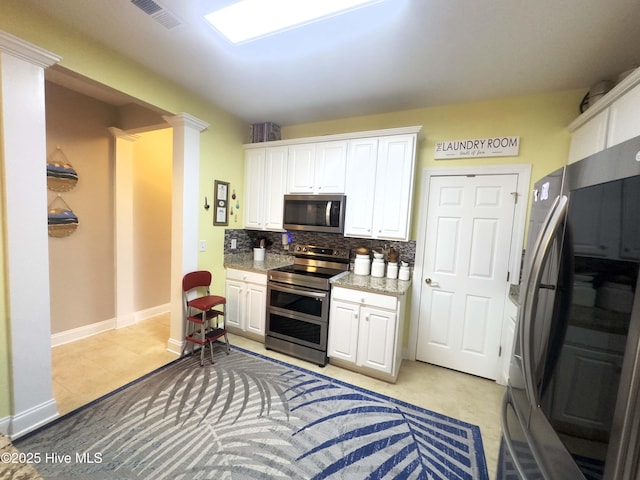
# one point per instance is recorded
(297, 291)
(327, 214)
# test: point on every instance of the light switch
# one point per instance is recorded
(203, 245)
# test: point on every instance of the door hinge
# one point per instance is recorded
(515, 196)
(508, 276)
(500, 351)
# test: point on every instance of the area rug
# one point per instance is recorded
(251, 417)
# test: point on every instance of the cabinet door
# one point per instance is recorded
(330, 167)
(589, 138)
(360, 187)
(581, 367)
(254, 188)
(343, 331)
(595, 229)
(394, 187)
(275, 186)
(235, 304)
(301, 168)
(376, 342)
(255, 308)
(624, 117)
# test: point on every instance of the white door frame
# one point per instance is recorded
(523, 171)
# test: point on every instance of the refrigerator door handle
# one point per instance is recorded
(506, 435)
(557, 216)
(524, 320)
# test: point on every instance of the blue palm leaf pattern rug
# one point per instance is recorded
(251, 417)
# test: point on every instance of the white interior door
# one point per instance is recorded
(468, 236)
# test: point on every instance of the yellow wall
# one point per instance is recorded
(152, 218)
(221, 145)
(539, 120)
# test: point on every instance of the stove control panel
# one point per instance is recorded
(316, 251)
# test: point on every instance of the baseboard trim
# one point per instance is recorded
(86, 331)
(33, 418)
(82, 332)
(151, 312)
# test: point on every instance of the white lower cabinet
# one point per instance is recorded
(246, 294)
(365, 332)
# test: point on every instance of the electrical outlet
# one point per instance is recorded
(234, 243)
(203, 245)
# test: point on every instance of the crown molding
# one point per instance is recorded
(26, 51)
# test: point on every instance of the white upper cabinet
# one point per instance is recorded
(624, 117)
(590, 138)
(302, 159)
(613, 119)
(360, 187)
(380, 187)
(317, 167)
(265, 186)
(375, 169)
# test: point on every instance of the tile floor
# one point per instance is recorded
(87, 369)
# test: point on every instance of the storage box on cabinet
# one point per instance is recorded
(246, 294)
(265, 186)
(379, 187)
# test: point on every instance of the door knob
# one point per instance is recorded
(427, 281)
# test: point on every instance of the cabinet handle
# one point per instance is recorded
(367, 318)
(427, 281)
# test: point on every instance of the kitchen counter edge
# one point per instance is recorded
(244, 261)
(384, 286)
(367, 283)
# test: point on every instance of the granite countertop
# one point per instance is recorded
(386, 286)
(368, 283)
(244, 261)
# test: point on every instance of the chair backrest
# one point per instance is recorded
(201, 278)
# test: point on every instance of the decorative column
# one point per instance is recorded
(23, 158)
(184, 214)
(124, 235)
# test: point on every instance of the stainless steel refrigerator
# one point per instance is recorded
(572, 406)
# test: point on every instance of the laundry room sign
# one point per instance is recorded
(478, 147)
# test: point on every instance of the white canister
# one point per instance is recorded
(258, 254)
(362, 266)
(377, 268)
(392, 270)
(405, 272)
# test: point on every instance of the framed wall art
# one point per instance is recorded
(221, 195)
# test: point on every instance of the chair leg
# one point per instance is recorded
(226, 339)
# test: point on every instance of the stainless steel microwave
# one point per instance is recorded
(314, 213)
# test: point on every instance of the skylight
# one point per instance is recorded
(248, 20)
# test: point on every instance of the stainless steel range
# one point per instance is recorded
(298, 310)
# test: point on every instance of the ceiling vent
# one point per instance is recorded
(160, 14)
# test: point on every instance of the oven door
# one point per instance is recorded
(299, 315)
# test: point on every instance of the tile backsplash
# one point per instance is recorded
(247, 239)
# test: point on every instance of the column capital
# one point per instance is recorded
(26, 51)
(122, 135)
(186, 120)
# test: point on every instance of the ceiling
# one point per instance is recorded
(394, 55)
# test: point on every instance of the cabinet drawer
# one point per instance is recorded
(387, 302)
(246, 276)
